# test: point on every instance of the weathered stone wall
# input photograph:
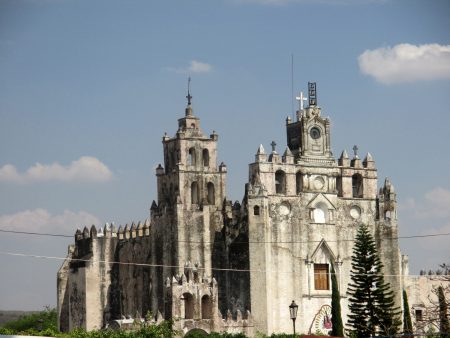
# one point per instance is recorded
(300, 209)
(423, 300)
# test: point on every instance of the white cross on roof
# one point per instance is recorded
(300, 100)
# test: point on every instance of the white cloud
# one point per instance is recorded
(434, 205)
(427, 215)
(199, 67)
(406, 63)
(194, 67)
(40, 220)
(85, 169)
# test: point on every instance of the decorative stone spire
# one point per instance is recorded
(343, 159)
(388, 187)
(369, 162)
(188, 110)
(261, 150)
(287, 156)
(260, 154)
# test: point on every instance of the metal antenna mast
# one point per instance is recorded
(292, 86)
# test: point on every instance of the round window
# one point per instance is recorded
(315, 133)
(355, 212)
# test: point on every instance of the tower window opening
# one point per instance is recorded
(205, 157)
(188, 306)
(280, 182)
(419, 315)
(256, 210)
(321, 277)
(357, 185)
(206, 307)
(194, 193)
(191, 157)
(339, 186)
(320, 213)
(299, 183)
(387, 215)
(211, 194)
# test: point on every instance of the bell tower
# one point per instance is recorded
(309, 137)
(191, 189)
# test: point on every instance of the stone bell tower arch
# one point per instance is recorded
(191, 189)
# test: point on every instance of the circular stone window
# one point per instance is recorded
(355, 212)
(284, 209)
(319, 182)
(315, 133)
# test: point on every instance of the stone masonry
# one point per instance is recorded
(213, 265)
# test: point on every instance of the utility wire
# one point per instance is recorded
(33, 233)
(200, 268)
(237, 242)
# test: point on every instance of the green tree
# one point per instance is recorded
(43, 321)
(336, 318)
(371, 302)
(444, 326)
(407, 323)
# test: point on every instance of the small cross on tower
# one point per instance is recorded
(300, 100)
(355, 150)
(273, 144)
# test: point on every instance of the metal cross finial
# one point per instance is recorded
(300, 100)
(189, 96)
(273, 144)
(355, 150)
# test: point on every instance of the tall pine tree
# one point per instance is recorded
(336, 318)
(407, 323)
(371, 302)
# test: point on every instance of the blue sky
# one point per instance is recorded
(88, 89)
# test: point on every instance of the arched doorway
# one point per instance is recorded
(188, 306)
(196, 333)
(206, 307)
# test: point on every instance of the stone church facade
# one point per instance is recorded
(213, 265)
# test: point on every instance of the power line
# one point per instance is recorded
(199, 268)
(238, 242)
(33, 233)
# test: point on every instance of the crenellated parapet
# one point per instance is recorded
(141, 229)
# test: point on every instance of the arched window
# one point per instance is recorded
(256, 210)
(321, 277)
(191, 157)
(339, 185)
(206, 307)
(299, 182)
(280, 182)
(188, 306)
(320, 213)
(205, 157)
(387, 215)
(357, 185)
(211, 193)
(194, 193)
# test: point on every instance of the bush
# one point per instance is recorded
(42, 323)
